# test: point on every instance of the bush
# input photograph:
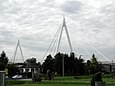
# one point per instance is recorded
(96, 77)
(36, 77)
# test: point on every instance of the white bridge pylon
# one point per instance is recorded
(18, 46)
(57, 39)
(62, 28)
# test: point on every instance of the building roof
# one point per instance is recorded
(30, 66)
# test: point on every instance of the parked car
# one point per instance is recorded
(17, 77)
(6, 77)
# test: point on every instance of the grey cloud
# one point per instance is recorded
(2, 6)
(35, 23)
(34, 42)
(109, 8)
(7, 37)
(71, 6)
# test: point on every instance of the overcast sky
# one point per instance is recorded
(91, 26)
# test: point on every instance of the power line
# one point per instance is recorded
(101, 53)
(85, 50)
(50, 44)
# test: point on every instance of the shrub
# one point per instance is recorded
(96, 77)
(36, 77)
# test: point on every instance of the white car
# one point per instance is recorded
(17, 77)
(6, 77)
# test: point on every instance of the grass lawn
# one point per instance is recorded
(58, 81)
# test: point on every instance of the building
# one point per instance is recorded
(28, 69)
(108, 67)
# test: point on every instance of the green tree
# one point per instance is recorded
(71, 64)
(12, 70)
(95, 65)
(66, 64)
(3, 60)
(81, 66)
(48, 64)
(88, 65)
(58, 63)
(94, 60)
(31, 60)
(39, 63)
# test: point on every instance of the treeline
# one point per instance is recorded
(3, 60)
(72, 65)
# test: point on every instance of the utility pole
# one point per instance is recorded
(63, 66)
(111, 69)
